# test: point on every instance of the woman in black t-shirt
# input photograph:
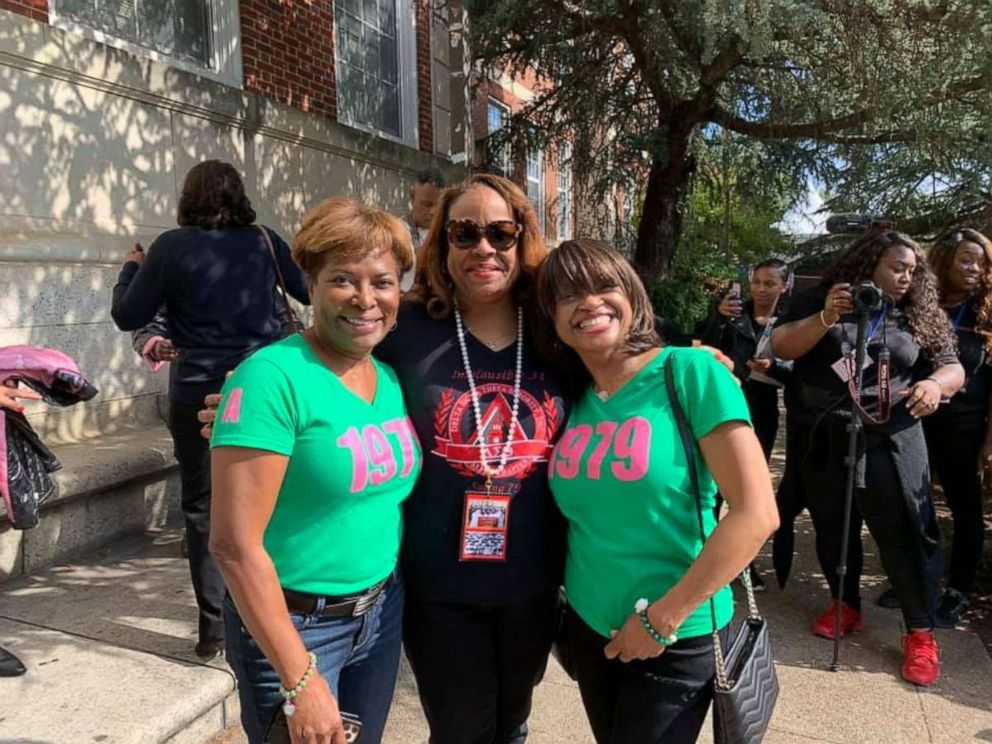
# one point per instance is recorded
(958, 437)
(893, 494)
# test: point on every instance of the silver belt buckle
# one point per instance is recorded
(364, 603)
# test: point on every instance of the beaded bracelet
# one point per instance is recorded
(641, 608)
(290, 694)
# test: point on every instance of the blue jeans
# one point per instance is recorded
(358, 656)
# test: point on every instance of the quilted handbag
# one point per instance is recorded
(746, 685)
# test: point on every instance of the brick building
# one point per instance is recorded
(546, 175)
(105, 106)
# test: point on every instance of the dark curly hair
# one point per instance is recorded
(921, 303)
(214, 197)
(941, 259)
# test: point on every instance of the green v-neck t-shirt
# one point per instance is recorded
(619, 474)
(337, 521)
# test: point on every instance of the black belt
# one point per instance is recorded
(353, 605)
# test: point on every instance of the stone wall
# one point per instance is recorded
(95, 144)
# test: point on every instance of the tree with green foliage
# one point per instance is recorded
(866, 96)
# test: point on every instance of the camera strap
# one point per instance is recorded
(884, 408)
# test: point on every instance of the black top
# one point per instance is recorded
(969, 405)
(819, 389)
(426, 356)
(738, 339)
(218, 289)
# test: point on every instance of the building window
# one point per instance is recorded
(564, 196)
(497, 115)
(375, 53)
(198, 35)
(535, 183)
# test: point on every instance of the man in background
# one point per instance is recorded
(424, 197)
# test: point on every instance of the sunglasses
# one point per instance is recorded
(501, 234)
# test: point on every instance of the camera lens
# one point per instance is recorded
(867, 297)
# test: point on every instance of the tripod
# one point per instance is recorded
(854, 429)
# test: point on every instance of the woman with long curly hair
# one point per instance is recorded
(959, 440)
(911, 340)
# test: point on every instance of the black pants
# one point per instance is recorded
(476, 667)
(193, 453)
(642, 702)
(762, 402)
(913, 573)
(953, 453)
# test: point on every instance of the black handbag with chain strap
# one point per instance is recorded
(746, 686)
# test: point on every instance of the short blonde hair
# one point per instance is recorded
(346, 229)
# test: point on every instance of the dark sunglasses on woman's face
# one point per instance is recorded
(501, 234)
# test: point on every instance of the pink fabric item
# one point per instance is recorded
(146, 353)
(26, 363)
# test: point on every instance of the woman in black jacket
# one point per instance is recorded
(742, 330)
(910, 367)
(216, 278)
(959, 441)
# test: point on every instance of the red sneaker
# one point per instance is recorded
(850, 621)
(922, 663)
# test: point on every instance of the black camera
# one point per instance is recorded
(867, 297)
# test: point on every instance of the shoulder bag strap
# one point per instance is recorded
(688, 444)
(290, 320)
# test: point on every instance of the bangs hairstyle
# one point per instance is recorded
(433, 285)
(942, 257)
(928, 322)
(213, 197)
(345, 230)
(582, 267)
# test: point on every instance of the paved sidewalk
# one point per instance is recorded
(108, 642)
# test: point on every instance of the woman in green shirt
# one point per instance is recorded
(620, 477)
(313, 455)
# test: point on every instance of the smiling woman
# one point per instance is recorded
(313, 455)
(638, 626)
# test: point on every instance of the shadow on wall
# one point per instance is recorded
(95, 143)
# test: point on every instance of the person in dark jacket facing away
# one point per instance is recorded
(216, 278)
(742, 331)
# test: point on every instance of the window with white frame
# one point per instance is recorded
(535, 182)
(564, 189)
(375, 52)
(497, 116)
(198, 35)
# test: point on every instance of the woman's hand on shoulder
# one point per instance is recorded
(317, 719)
(632, 642)
(719, 356)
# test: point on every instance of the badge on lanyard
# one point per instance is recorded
(485, 526)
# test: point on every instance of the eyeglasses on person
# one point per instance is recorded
(501, 234)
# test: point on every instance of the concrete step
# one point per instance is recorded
(108, 642)
(109, 487)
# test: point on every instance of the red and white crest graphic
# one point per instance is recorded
(457, 440)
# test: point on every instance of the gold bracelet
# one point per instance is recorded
(823, 321)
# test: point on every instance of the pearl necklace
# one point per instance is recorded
(487, 469)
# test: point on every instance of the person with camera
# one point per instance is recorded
(910, 367)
